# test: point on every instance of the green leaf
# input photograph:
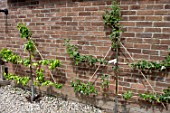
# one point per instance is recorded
(85, 89)
(44, 62)
(30, 46)
(24, 31)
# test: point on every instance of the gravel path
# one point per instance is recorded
(12, 100)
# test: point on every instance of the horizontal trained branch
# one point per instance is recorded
(143, 64)
(8, 56)
(72, 51)
(19, 80)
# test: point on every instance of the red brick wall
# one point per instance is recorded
(146, 25)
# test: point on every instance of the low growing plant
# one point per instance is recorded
(164, 97)
(127, 95)
(148, 97)
(83, 88)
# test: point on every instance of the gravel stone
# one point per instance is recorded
(12, 100)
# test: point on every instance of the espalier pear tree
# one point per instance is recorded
(8, 56)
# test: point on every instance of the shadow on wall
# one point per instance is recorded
(34, 3)
(21, 3)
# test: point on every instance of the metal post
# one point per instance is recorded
(117, 82)
(31, 77)
(5, 11)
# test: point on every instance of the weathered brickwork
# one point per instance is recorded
(146, 35)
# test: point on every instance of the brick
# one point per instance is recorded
(77, 9)
(93, 19)
(45, 11)
(132, 80)
(166, 30)
(65, 9)
(112, 88)
(97, 33)
(165, 41)
(164, 53)
(154, 18)
(167, 6)
(164, 12)
(135, 40)
(145, 12)
(72, 4)
(140, 56)
(151, 52)
(144, 35)
(60, 4)
(84, 24)
(102, 48)
(97, 24)
(161, 84)
(125, 7)
(129, 45)
(66, 18)
(54, 10)
(45, 19)
(72, 33)
(162, 2)
(72, 23)
(152, 29)
(137, 86)
(125, 18)
(84, 13)
(134, 50)
(143, 24)
(72, 14)
(40, 15)
(97, 13)
(83, 42)
(85, 4)
(128, 12)
(98, 3)
(136, 18)
(142, 46)
(159, 47)
(162, 24)
(78, 28)
(124, 84)
(135, 7)
(156, 7)
(128, 2)
(127, 23)
(88, 47)
(91, 8)
(128, 34)
(161, 36)
(103, 8)
(135, 29)
(166, 18)
(79, 18)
